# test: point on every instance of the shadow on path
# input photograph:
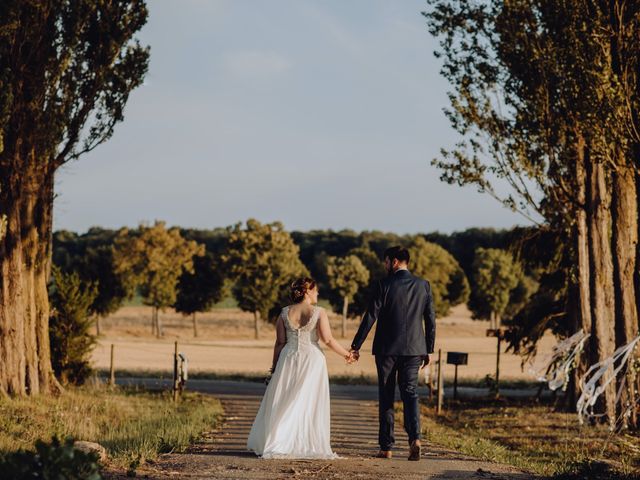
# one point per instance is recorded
(354, 430)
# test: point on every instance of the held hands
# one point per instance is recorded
(354, 356)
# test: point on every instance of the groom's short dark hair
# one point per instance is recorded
(399, 253)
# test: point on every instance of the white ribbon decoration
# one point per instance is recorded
(593, 388)
(564, 353)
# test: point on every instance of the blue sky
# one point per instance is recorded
(317, 113)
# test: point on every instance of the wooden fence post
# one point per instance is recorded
(455, 384)
(440, 383)
(195, 325)
(112, 371)
(498, 367)
(345, 306)
(256, 324)
(175, 373)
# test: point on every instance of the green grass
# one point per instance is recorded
(132, 424)
(533, 437)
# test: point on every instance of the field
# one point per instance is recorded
(226, 345)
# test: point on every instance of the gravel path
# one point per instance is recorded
(222, 454)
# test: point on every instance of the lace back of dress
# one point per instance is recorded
(306, 333)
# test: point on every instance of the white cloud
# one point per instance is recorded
(251, 64)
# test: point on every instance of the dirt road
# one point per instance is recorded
(222, 454)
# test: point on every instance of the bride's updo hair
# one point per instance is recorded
(300, 287)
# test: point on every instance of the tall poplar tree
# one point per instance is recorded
(67, 68)
(545, 96)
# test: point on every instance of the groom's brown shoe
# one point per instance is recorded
(414, 450)
(384, 454)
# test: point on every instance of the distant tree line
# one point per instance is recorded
(191, 270)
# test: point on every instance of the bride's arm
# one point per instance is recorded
(324, 332)
(281, 340)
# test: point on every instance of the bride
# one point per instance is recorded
(294, 419)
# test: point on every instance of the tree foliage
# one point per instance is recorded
(346, 275)
(495, 275)
(544, 252)
(449, 284)
(151, 260)
(72, 252)
(199, 290)
(375, 266)
(262, 260)
(463, 244)
(91, 256)
(69, 327)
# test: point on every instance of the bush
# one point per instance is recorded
(50, 461)
(71, 342)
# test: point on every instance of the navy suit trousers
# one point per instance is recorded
(404, 370)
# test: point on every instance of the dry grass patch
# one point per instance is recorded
(532, 436)
(133, 425)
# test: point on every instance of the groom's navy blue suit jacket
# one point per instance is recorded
(400, 303)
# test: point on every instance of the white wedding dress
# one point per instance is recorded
(294, 417)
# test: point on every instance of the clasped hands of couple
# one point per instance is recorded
(354, 356)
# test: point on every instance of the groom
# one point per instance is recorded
(400, 303)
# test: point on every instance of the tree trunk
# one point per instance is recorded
(345, 309)
(12, 345)
(636, 279)
(159, 331)
(624, 208)
(29, 265)
(195, 324)
(625, 241)
(636, 385)
(97, 325)
(601, 278)
(582, 304)
(256, 324)
(25, 359)
(44, 220)
(573, 312)
(153, 320)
